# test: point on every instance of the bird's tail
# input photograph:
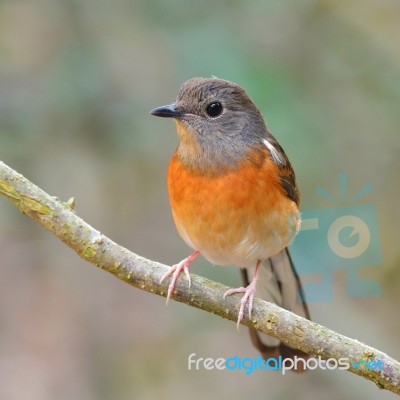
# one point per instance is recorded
(279, 283)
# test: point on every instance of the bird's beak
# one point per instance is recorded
(169, 111)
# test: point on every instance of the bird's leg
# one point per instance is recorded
(248, 294)
(176, 270)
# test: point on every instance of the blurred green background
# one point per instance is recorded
(77, 81)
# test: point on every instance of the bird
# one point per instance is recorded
(234, 197)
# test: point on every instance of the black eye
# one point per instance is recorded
(214, 109)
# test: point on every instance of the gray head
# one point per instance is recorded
(217, 122)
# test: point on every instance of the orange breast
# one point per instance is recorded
(236, 217)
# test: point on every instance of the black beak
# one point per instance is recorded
(168, 111)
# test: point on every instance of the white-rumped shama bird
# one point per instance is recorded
(234, 196)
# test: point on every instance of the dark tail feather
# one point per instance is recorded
(293, 298)
(281, 285)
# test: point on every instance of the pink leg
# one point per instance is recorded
(248, 295)
(176, 270)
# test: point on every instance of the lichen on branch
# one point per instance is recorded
(91, 245)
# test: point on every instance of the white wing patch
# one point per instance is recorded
(275, 154)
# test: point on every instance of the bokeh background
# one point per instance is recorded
(77, 81)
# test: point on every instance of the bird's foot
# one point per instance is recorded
(176, 270)
(248, 296)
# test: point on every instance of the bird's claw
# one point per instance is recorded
(248, 296)
(176, 270)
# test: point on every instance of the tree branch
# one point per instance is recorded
(91, 245)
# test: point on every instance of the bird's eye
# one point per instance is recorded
(214, 109)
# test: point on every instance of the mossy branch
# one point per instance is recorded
(91, 245)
